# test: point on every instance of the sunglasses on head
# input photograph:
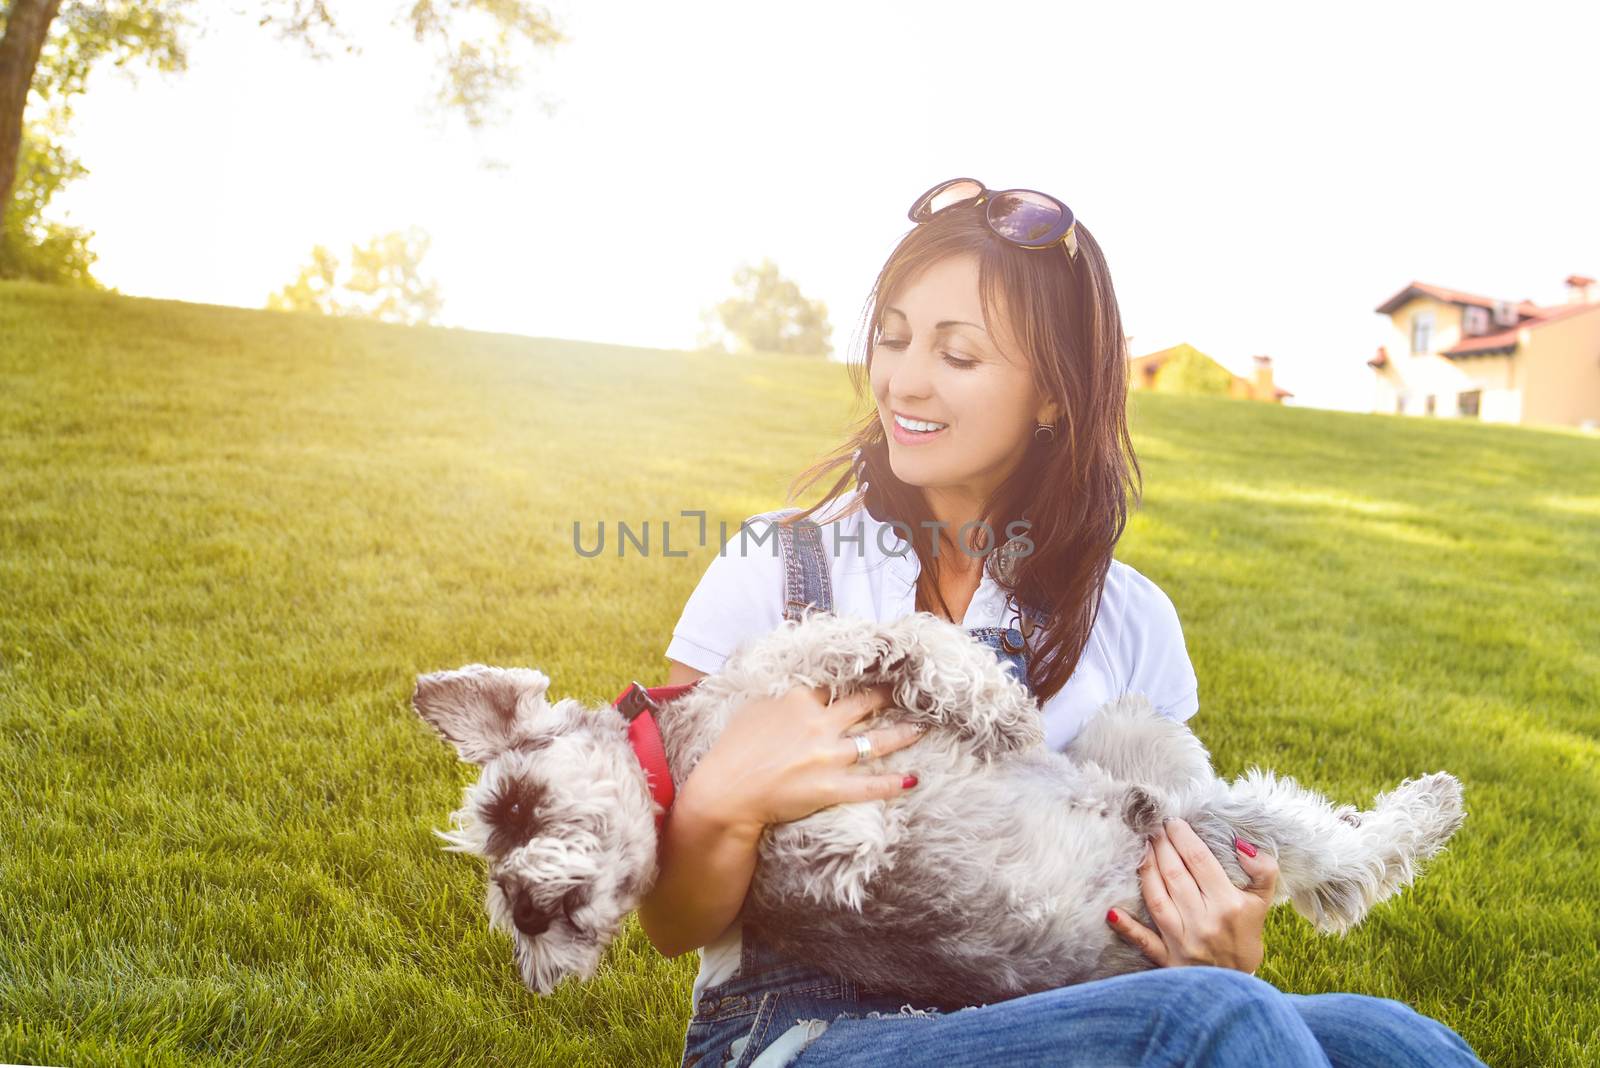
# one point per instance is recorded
(1025, 217)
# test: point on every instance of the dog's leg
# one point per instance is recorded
(939, 675)
(1335, 864)
(828, 857)
(1137, 744)
(948, 680)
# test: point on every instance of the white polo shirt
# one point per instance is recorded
(1136, 644)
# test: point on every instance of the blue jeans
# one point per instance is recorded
(775, 1011)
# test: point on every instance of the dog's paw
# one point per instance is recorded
(1432, 804)
(1142, 810)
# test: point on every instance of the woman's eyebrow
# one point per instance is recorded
(940, 325)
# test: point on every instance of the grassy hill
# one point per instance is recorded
(229, 539)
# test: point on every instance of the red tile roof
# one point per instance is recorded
(1452, 296)
(1506, 340)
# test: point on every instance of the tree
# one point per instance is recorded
(1188, 370)
(49, 47)
(384, 282)
(769, 315)
(47, 50)
(32, 246)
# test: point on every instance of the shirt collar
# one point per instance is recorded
(988, 606)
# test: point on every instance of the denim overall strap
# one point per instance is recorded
(770, 992)
(807, 579)
(1008, 646)
(807, 583)
(1010, 640)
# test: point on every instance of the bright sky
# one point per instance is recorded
(1261, 176)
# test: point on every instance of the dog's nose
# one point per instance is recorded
(528, 917)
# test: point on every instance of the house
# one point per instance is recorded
(1202, 374)
(1456, 354)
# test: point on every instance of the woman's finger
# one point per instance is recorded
(1139, 936)
(852, 707)
(1260, 866)
(1157, 902)
(858, 786)
(1202, 863)
(1174, 874)
(884, 740)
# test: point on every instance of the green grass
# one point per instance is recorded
(231, 538)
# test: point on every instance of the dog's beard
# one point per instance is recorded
(567, 948)
(554, 956)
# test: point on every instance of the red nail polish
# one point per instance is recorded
(1112, 916)
(1244, 847)
(908, 782)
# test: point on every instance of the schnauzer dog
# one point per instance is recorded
(992, 878)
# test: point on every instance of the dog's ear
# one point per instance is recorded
(480, 709)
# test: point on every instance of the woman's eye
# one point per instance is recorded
(959, 362)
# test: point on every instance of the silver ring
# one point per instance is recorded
(863, 748)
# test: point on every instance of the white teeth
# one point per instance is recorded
(917, 424)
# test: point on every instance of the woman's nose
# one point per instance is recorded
(911, 377)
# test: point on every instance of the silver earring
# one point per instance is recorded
(1045, 432)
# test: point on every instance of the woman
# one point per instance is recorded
(998, 378)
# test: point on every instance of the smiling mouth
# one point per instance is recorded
(918, 426)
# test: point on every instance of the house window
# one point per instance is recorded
(1467, 402)
(1421, 331)
(1428, 405)
(1476, 320)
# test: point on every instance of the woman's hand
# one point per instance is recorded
(1203, 918)
(782, 758)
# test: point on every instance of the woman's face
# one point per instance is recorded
(955, 395)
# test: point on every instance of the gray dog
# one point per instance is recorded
(992, 878)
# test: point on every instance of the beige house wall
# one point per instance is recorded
(1416, 376)
(1562, 361)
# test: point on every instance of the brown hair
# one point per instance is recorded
(1072, 492)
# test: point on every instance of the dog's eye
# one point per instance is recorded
(573, 899)
(513, 814)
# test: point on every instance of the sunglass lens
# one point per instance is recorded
(941, 197)
(1028, 218)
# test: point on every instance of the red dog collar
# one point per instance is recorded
(638, 704)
